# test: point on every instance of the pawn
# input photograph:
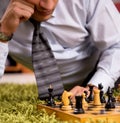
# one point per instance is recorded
(78, 106)
(84, 102)
(102, 97)
(90, 98)
(86, 98)
(97, 97)
(50, 101)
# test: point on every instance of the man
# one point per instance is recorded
(84, 36)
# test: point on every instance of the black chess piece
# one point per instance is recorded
(102, 97)
(78, 106)
(110, 104)
(50, 101)
(90, 98)
(86, 98)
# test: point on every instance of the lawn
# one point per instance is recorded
(18, 105)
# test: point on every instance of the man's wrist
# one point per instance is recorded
(4, 37)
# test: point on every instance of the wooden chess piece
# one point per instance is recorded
(110, 104)
(90, 98)
(86, 98)
(102, 97)
(50, 101)
(96, 101)
(66, 101)
(84, 102)
(78, 106)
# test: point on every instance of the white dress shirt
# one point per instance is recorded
(80, 32)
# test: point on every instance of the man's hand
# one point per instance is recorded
(16, 12)
(78, 90)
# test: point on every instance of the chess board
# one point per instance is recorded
(93, 114)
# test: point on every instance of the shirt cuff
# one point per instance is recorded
(101, 77)
(3, 56)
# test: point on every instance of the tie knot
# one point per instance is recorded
(35, 23)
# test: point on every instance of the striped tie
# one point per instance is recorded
(44, 64)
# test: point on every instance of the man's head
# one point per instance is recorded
(43, 9)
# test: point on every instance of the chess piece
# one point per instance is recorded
(66, 101)
(84, 102)
(102, 97)
(86, 98)
(110, 104)
(50, 101)
(90, 98)
(78, 106)
(96, 101)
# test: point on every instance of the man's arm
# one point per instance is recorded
(104, 27)
(16, 12)
(105, 30)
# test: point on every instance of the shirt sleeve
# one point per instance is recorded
(104, 26)
(3, 57)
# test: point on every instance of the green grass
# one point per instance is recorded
(18, 105)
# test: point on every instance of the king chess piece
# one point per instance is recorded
(110, 103)
(50, 101)
(78, 106)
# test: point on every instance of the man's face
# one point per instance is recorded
(43, 9)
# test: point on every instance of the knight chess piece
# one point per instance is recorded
(66, 102)
(78, 106)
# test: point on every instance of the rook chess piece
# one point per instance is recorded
(78, 106)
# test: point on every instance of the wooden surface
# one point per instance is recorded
(94, 113)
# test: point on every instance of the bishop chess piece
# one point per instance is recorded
(78, 106)
(50, 101)
(110, 103)
(90, 98)
(102, 97)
